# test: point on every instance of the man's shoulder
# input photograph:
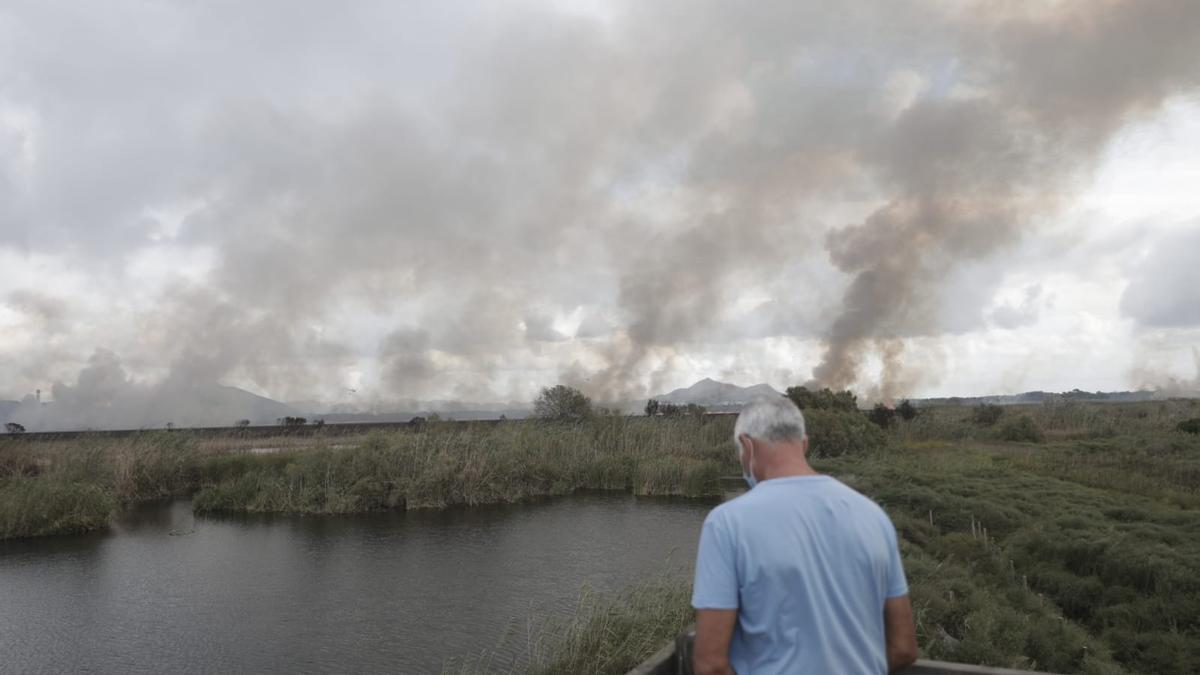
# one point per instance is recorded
(862, 501)
(829, 488)
(721, 512)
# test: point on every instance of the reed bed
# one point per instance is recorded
(436, 465)
(446, 465)
(1074, 554)
(607, 634)
(1008, 566)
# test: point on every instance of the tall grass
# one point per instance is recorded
(1057, 420)
(1012, 565)
(612, 635)
(605, 635)
(32, 507)
(1075, 555)
(74, 486)
(446, 465)
(437, 465)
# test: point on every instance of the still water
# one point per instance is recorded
(164, 591)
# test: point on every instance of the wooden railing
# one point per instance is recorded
(676, 659)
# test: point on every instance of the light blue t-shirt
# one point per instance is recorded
(808, 563)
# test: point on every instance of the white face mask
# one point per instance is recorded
(750, 479)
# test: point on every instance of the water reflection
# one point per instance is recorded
(166, 591)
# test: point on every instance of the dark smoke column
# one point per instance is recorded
(970, 172)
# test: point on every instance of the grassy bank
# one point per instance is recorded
(70, 486)
(34, 508)
(73, 485)
(1012, 567)
(76, 486)
(1075, 555)
(1009, 565)
(448, 464)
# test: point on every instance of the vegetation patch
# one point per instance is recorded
(1064, 537)
(31, 507)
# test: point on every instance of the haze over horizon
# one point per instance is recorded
(382, 204)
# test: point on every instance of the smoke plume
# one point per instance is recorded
(474, 202)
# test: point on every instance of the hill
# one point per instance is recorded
(1044, 396)
(715, 395)
(131, 407)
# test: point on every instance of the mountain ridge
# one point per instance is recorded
(133, 407)
(713, 393)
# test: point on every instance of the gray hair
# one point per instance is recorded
(771, 419)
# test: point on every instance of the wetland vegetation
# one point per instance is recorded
(1062, 537)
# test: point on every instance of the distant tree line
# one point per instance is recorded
(564, 403)
(290, 421)
(655, 408)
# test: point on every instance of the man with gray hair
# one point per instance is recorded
(801, 574)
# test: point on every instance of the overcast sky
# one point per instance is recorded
(473, 200)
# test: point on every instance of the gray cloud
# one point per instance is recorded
(1164, 289)
(463, 173)
(1018, 315)
(540, 328)
(49, 312)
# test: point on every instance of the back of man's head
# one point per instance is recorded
(774, 420)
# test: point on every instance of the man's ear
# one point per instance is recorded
(804, 445)
(747, 444)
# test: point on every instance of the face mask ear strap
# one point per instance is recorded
(747, 472)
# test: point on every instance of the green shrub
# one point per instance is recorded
(1022, 430)
(881, 416)
(986, 414)
(834, 433)
(1191, 426)
(907, 411)
(823, 399)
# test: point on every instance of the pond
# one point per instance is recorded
(166, 591)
